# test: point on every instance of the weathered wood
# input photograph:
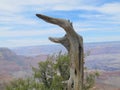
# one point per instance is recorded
(74, 44)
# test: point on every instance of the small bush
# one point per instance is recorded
(50, 75)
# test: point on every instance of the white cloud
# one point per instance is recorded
(11, 13)
(108, 14)
(109, 29)
(95, 19)
(102, 39)
(92, 16)
(23, 42)
(17, 5)
(110, 8)
(26, 33)
(9, 6)
(16, 19)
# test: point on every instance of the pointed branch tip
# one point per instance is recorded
(38, 15)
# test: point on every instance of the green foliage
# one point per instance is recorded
(62, 65)
(56, 83)
(50, 75)
(44, 73)
(21, 84)
(89, 81)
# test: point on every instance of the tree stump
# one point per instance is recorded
(74, 44)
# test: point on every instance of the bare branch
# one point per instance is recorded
(65, 24)
(64, 41)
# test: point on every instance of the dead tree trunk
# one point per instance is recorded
(74, 44)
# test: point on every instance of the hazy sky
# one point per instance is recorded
(95, 20)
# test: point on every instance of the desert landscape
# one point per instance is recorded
(103, 57)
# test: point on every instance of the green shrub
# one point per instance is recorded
(50, 75)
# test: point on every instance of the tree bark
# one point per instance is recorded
(74, 44)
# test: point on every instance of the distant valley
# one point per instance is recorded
(103, 56)
(17, 62)
(94, 48)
